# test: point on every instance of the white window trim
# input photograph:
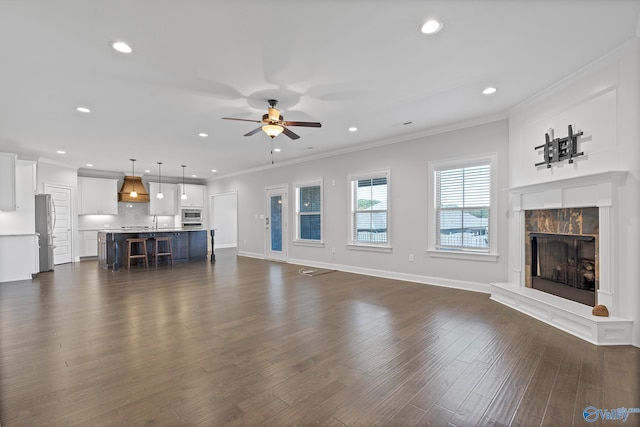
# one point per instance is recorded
(372, 247)
(306, 242)
(461, 162)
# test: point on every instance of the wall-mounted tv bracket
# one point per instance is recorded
(559, 149)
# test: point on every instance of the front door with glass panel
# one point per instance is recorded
(276, 224)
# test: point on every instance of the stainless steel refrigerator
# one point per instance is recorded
(45, 222)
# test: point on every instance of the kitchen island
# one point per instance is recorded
(187, 244)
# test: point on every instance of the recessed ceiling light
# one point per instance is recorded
(194, 176)
(203, 135)
(353, 129)
(60, 152)
(122, 47)
(489, 90)
(83, 109)
(90, 165)
(277, 150)
(147, 171)
(214, 170)
(431, 26)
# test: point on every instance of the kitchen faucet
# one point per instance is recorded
(155, 221)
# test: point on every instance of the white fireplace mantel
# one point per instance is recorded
(596, 190)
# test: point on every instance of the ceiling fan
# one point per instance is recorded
(273, 123)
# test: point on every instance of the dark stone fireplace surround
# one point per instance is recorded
(571, 196)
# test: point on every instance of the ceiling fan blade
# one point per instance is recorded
(307, 124)
(289, 133)
(253, 132)
(241, 120)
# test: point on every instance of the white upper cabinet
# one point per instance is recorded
(98, 196)
(168, 204)
(7, 182)
(195, 195)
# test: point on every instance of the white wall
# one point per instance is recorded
(407, 162)
(604, 102)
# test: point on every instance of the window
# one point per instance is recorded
(462, 206)
(309, 211)
(370, 209)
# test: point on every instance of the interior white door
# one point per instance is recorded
(224, 219)
(276, 224)
(62, 241)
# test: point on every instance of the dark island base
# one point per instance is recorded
(187, 245)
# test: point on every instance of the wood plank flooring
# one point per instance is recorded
(247, 342)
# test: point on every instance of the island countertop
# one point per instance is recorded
(187, 244)
(139, 230)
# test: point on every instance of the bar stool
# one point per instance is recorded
(131, 255)
(167, 249)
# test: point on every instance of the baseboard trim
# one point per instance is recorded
(251, 255)
(417, 278)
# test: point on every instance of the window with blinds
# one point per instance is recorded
(462, 208)
(370, 209)
(309, 211)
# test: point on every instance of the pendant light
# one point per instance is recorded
(183, 196)
(133, 173)
(160, 195)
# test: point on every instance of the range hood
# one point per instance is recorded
(130, 183)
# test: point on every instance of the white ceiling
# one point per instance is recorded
(340, 62)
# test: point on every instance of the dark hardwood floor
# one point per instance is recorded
(248, 342)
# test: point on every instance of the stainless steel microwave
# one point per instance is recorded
(191, 216)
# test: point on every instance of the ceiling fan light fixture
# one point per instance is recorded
(274, 114)
(272, 130)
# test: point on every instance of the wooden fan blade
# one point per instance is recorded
(241, 120)
(289, 133)
(253, 132)
(307, 124)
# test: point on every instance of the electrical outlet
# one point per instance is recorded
(411, 257)
(333, 251)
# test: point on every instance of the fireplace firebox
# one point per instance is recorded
(564, 265)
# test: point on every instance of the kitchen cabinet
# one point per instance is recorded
(180, 247)
(19, 260)
(89, 243)
(168, 204)
(7, 182)
(195, 195)
(22, 218)
(197, 245)
(98, 196)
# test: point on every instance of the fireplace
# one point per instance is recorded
(561, 252)
(571, 220)
(564, 265)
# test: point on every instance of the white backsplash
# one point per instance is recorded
(129, 214)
